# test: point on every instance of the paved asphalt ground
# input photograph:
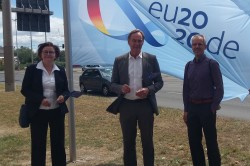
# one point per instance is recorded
(170, 96)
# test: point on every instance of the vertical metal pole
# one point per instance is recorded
(45, 36)
(30, 38)
(32, 61)
(8, 47)
(30, 6)
(16, 38)
(45, 33)
(69, 70)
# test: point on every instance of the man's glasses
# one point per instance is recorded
(49, 52)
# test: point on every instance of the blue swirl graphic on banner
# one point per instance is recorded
(95, 16)
(137, 22)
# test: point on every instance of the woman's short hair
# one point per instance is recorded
(42, 45)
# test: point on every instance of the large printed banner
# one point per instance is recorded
(99, 30)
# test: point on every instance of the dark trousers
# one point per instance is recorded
(39, 127)
(131, 114)
(200, 117)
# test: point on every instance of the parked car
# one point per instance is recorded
(90, 66)
(96, 79)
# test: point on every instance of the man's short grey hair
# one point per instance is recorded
(199, 36)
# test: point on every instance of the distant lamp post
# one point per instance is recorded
(16, 36)
(32, 58)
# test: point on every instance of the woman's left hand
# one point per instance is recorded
(60, 99)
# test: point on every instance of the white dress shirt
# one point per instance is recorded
(135, 76)
(49, 87)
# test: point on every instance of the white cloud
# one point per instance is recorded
(56, 34)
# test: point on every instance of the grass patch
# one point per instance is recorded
(99, 140)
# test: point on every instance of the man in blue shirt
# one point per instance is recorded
(202, 94)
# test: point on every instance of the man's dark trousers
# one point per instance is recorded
(131, 113)
(200, 117)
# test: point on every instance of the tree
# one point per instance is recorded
(24, 54)
(61, 58)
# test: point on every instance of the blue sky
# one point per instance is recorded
(27, 39)
(56, 7)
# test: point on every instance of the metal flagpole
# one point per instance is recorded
(69, 70)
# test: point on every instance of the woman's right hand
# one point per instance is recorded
(46, 103)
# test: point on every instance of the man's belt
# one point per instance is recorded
(200, 101)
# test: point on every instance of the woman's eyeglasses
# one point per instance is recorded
(48, 52)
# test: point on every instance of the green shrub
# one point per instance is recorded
(1, 67)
